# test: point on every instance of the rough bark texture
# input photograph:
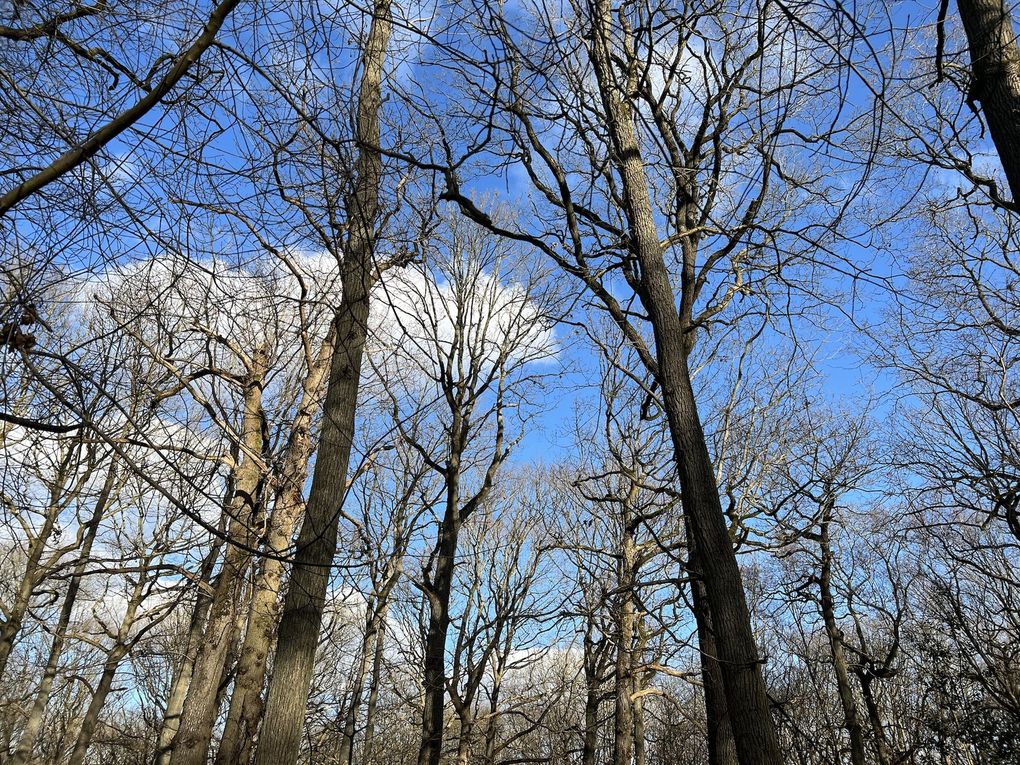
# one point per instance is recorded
(301, 618)
(750, 715)
(995, 67)
(237, 745)
(722, 748)
(191, 745)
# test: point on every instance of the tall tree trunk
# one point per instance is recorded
(301, 619)
(623, 732)
(995, 67)
(37, 714)
(722, 748)
(592, 699)
(182, 673)
(191, 745)
(885, 756)
(368, 752)
(747, 700)
(237, 745)
(851, 719)
(438, 587)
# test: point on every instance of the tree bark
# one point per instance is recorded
(182, 674)
(237, 745)
(995, 69)
(301, 618)
(747, 700)
(851, 719)
(36, 716)
(589, 746)
(722, 748)
(438, 587)
(191, 745)
(640, 746)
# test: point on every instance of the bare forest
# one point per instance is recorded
(509, 382)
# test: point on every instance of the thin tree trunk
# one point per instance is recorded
(851, 719)
(592, 699)
(623, 738)
(885, 756)
(377, 608)
(37, 714)
(747, 700)
(120, 649)
(191, 745)
(368, 752)
(237, 745)
(14, 616)
(492, 725)
(182, 674)
(350, 722)
(995, 66)
(437, 588)
(301, 619)
(640, 749)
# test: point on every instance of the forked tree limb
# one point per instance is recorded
(78, 155)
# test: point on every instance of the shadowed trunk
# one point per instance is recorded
(437, 588)
(885, 756)
(592, 697)
(301, 618)
(995, 69)
(722, 748)
(851, 719)
(747, 700)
